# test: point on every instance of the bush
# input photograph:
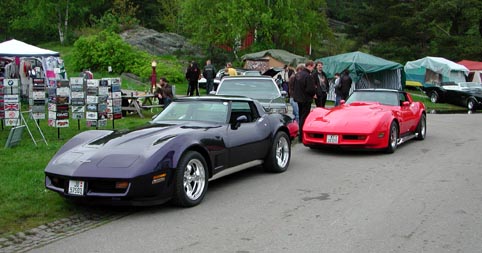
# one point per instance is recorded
(98, 52)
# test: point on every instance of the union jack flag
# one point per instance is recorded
(11, 107)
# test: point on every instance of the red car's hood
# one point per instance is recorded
(359, 117)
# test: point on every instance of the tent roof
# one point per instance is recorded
(436, 64)
(21, 49)
(471, 65)
(356, 62)
(279, 54)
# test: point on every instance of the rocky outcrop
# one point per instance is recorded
(157, 43)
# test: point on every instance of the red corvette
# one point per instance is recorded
(369, 119)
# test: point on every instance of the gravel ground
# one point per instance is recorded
(47, 233)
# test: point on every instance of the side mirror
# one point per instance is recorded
(284, 93)
(241, 119)
(406, 103)
(342, 102)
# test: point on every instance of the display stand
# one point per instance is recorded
(30, 116)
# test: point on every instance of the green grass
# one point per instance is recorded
(24, 201)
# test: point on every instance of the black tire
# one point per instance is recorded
(471, 104)
(191, 180)
(422, 128)
(434, 97)
(279, 156)
(392, 138)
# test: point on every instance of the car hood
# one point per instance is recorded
(474, 91)
(356, 117)
(121, 153)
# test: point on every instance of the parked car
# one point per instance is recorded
(466, 94)
(192, 141)
(261, 88)
(369, 119)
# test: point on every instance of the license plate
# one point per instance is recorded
(76, 187)
(332, 138)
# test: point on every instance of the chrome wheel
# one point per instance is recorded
(392, 138)
(191, 181)
(422, 128)
(471, 104)
(278, 158)
(282, 152)
(434, 97)
(194, 179)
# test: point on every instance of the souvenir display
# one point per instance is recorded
(10, 102)
(114, 99)
(96, 102)
(77, 97)
(58, 103)
(2, 110)
(37, 98)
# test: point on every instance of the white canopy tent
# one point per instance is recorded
(28, 60)
(15, 48)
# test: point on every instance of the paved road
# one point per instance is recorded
(424, 198)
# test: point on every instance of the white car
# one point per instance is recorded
(261, 88)
(220, 75)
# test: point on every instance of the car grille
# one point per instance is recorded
(92, 185)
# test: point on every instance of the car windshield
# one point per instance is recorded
(195, 110)
(382, 97)
(254, 88)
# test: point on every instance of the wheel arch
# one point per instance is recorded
(204, 153)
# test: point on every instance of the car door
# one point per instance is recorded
(247, 141)
(409, 113)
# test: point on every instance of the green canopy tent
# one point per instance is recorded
(272, 58)
(430, 70)
(366, 71)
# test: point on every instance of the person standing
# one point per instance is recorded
(209, 73)
(291, 86)
(285, 76)
(193, 74)
(337, 89)
(345, 84)
(230, 70)
(164, 92)
(303, 93)
(322, 86)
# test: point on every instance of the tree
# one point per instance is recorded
(273, 23)
(42, 20)
(407, 30)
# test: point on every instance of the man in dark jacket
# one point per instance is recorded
(193, 74)
(345, 84)
(303, 92)
(322, 86)
(209, 73)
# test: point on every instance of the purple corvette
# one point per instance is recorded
(194, 140)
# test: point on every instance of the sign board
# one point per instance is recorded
(15, 136)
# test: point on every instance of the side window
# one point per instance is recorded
(245, 108)
(403, 98)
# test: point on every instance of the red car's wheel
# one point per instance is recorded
(392, 138)
(422, 128)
